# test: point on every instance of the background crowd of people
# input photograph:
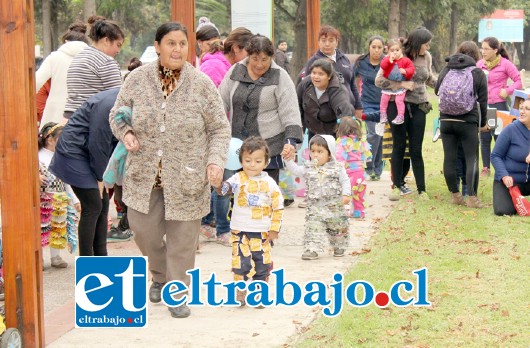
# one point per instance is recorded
(176, 120)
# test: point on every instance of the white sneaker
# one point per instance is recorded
(58, 262)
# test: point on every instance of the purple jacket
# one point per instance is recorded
(215, 65)
(498, 78)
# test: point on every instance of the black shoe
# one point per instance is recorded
(182, 311)
(287, 202)
(115, 235)
(155, 292)
(405, 190)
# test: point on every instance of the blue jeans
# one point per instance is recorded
(219, 206)
(376, 141)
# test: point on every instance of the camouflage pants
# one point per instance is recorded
(318, 229)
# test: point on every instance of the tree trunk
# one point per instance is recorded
(89, 9)
(403, 7)
(454, 29)
(393, 19)
(300, 39)
(229, 13)
(437, 56)
(46, 28)
(523, 52)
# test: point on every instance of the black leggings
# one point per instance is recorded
(93, 223)
(466, 133)
(502, 201)
(414, 128)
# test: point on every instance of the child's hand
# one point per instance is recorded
(272, 236)
(288, 152)
(396, 56)
(402, 71)
(43, 180)
(346, 200)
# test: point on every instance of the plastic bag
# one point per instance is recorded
(521, 204)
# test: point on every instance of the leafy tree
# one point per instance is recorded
(218, 11)
(523, 48)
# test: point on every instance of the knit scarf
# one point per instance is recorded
(169, 79)
(490, 64)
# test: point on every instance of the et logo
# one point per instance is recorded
(110, 291)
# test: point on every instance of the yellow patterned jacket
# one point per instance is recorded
(258, 203)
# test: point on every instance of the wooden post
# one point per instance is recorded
(183, 11)
(313, 26)
(19, 188)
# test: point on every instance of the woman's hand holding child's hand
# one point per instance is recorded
(288, 152)
(215, 175)
(528, 159)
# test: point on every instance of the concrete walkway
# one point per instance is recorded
(215, 327)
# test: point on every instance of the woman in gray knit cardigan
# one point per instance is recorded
(178, 144)
(261, 100)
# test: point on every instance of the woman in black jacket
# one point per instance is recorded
(328, 42)
(464, 127)
(80, 159)
(323, 99)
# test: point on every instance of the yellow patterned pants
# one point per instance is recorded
(251, 255)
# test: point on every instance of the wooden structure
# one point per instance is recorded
(313, 26)
(19, 187)
(183, 11)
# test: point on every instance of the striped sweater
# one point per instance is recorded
(91, 72)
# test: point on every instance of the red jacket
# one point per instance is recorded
(402, 62)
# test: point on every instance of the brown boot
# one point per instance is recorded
(456, 198)
(241, 297)
(474, 202)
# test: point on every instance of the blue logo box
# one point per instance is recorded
(110, 291)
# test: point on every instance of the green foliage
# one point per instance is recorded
(216, 11)
(478, 270)
(138, 20)
(357, 20)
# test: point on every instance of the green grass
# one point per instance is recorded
(478, 267)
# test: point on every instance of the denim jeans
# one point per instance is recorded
(376, 142)
(219, 206)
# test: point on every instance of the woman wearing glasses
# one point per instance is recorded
(511, 159)
(498, 68)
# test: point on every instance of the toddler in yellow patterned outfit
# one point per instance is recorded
(256, 215)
